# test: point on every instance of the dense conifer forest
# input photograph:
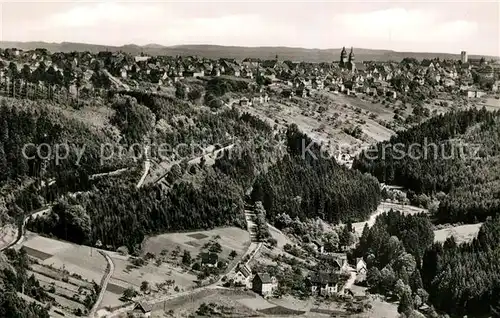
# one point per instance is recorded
(312, 186)
(464, 279)
(464, 163)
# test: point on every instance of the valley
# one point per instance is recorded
(264, 200)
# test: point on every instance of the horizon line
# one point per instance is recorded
(159, 46)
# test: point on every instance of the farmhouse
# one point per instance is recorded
(209, 259)
(244, 101)
(337, 261)
(143, 309)
(243, 276)
(324, 284)
(264, 284)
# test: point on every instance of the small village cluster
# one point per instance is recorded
(324, 283)
(343, 75)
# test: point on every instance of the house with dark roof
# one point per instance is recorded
(264, 284)
(209, 259)
(338, 261)
(324, 283)
(243, 276)
(143, 308)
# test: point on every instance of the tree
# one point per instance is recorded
(144, 286)
(186, 258)
(387, 278)
(196, 266)
(129, 293)
(233, 254)
(194, 95)
(26, 76)
(215, 248)
(399, 288)
(68, 76)
(374, 277)
(406, 302)
(180, 91)
(346, 237)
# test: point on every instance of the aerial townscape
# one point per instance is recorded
(225, 181)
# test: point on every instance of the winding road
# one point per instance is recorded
(20, 233)
(385, 207)
(116, 81)
(110, 269)
(147, 166)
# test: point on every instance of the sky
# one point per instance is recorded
(430, 26)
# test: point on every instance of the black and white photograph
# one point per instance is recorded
(233, 159)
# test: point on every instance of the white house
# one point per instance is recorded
(360, 266)
(243, 276)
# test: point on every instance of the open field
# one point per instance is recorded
(325, 115)
(184, 306)
(231, 238)
(67, 304)
(53, 311)
(69, 293)
(126, 275)
(491, 103)
(74, 258)
(461, 233)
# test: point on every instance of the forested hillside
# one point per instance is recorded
(116, 213)
(120, 214)
(465, 279)
(25, 126)
(393, 248)
(29, 123)
(462, 160)
(308, 187)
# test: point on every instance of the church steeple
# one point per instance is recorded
(343, 57)
(351, 55)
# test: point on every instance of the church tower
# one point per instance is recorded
(350, 64)
(351, 56)
(343, 57)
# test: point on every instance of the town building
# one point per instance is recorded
(264, 284)
(463, 56)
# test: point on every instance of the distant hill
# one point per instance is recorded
(237, 52)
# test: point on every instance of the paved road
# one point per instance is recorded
(106, 174)
(20, 234)
(351, 279)
(209, 157)
(147, 166)
(385, 207)
(117, 81)
(104, 285)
